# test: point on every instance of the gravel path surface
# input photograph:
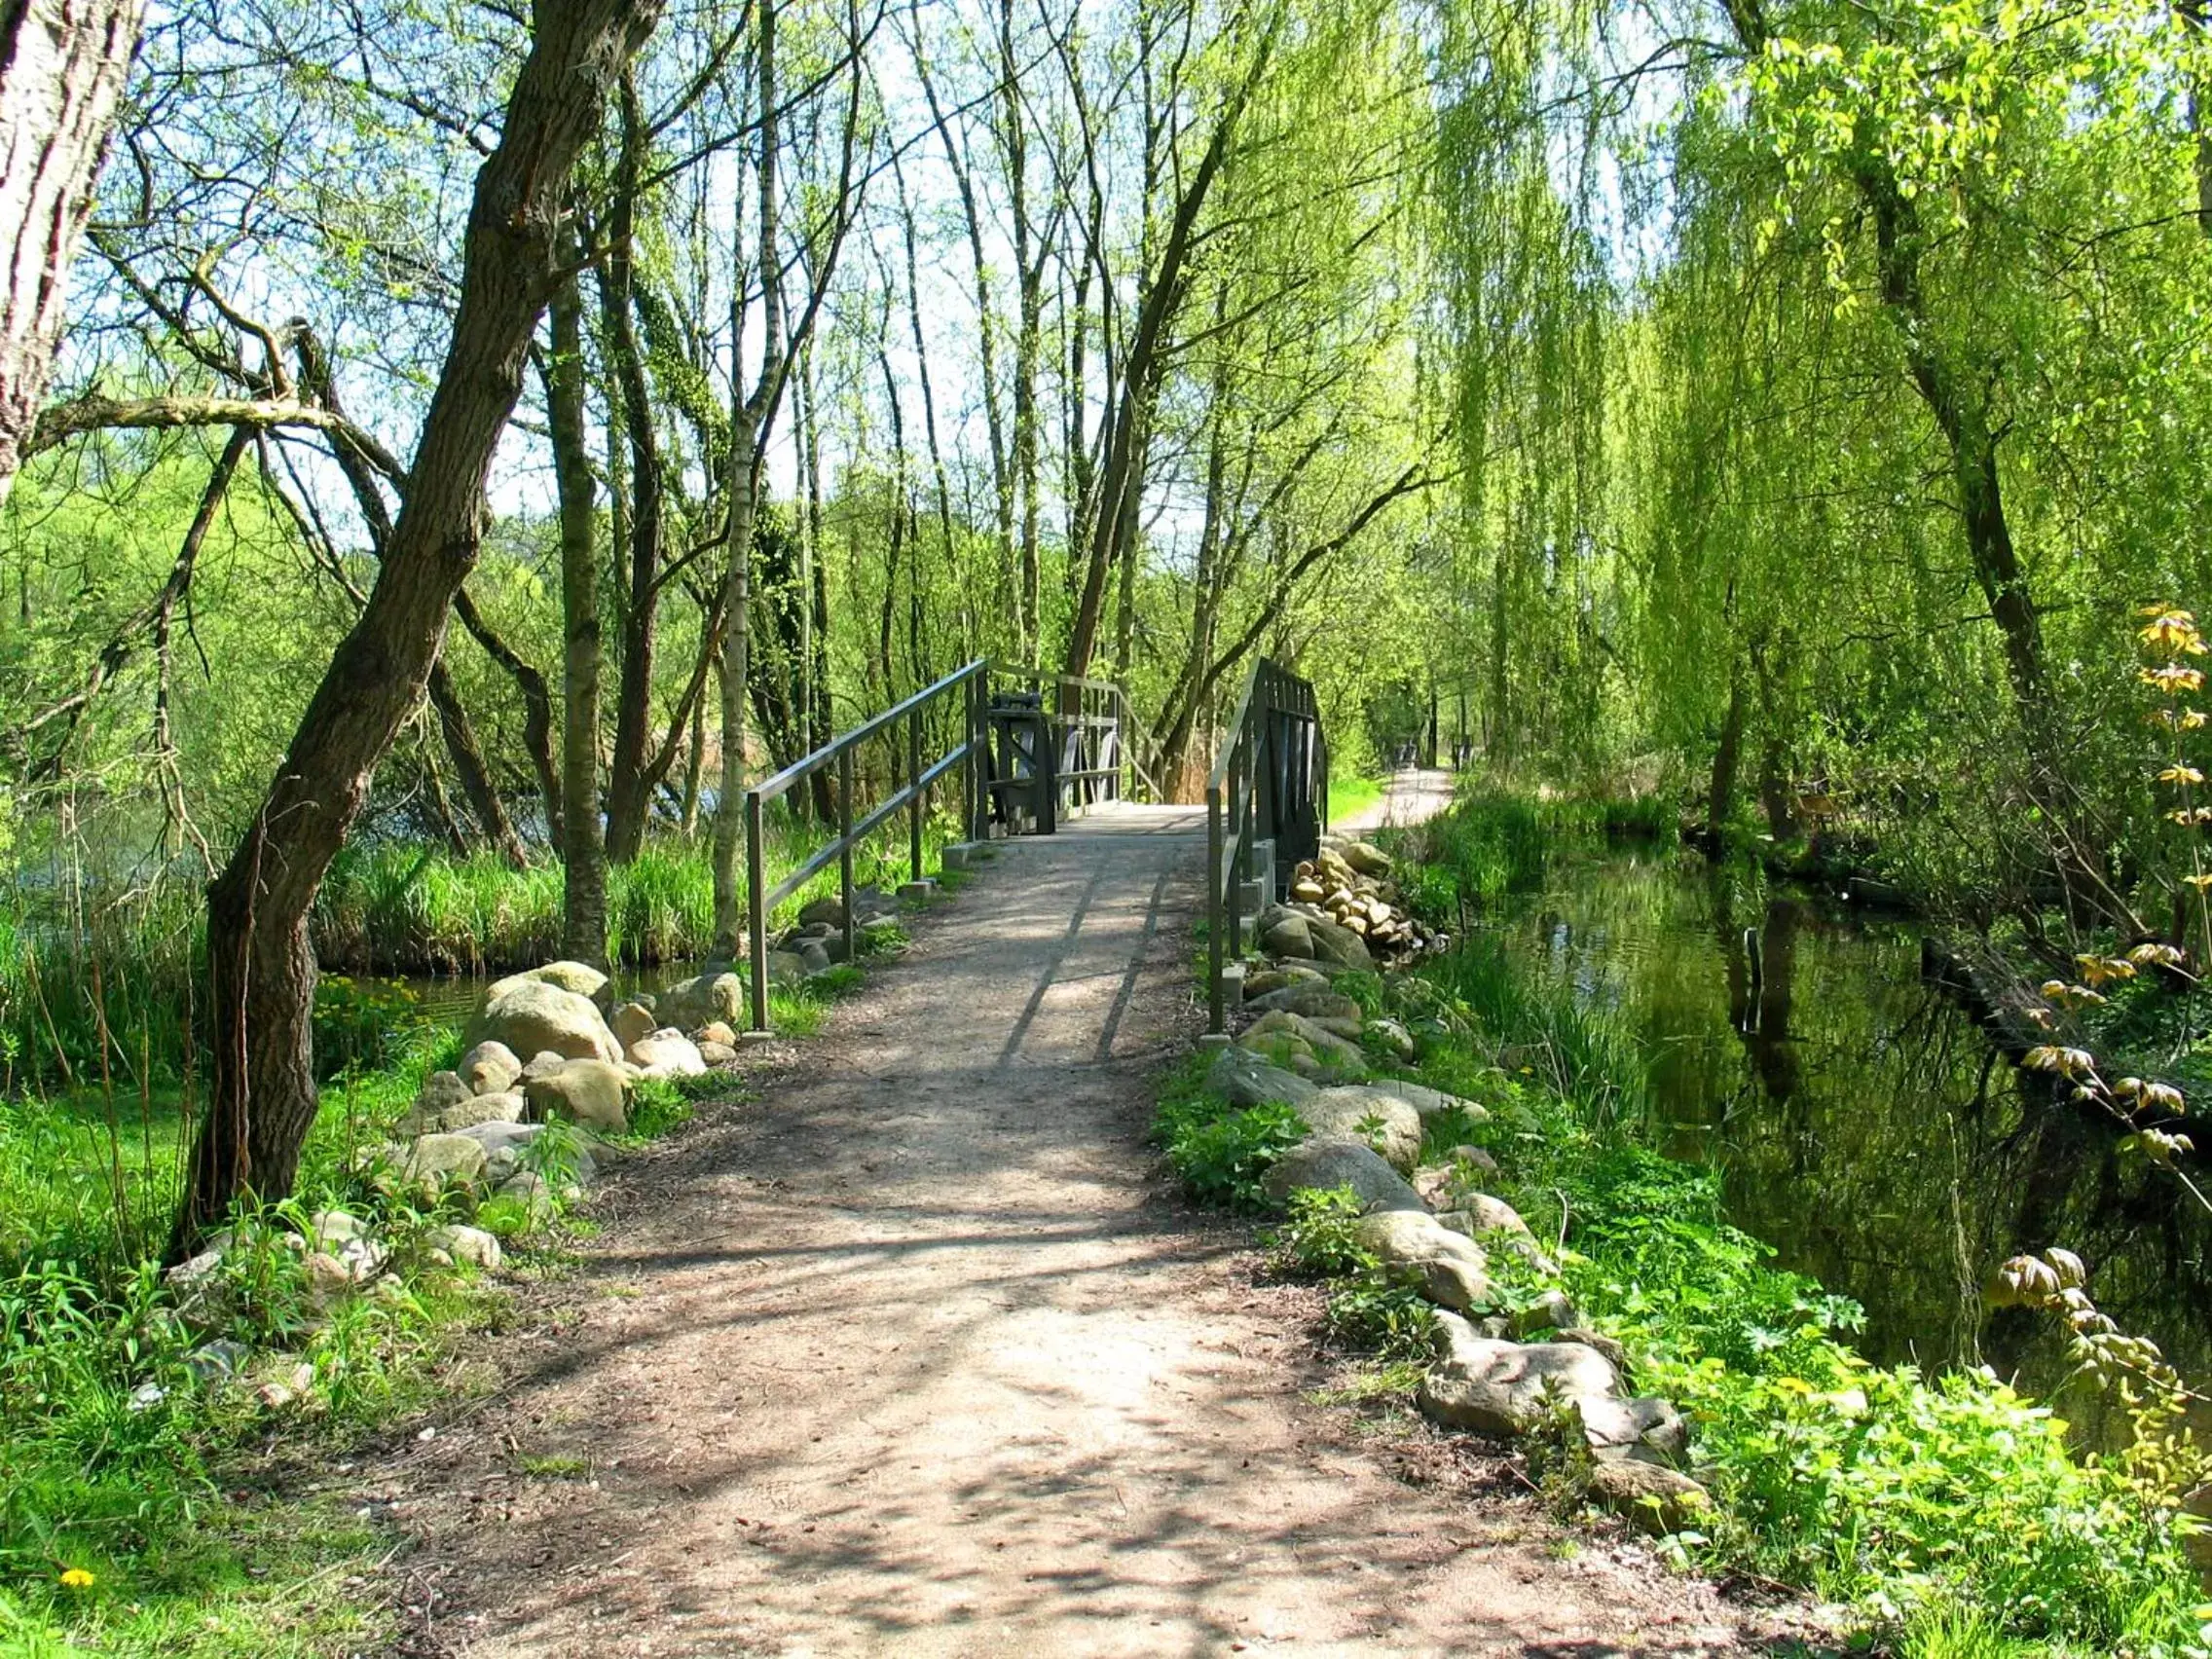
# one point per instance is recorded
(1413, 795)
(919, 1355)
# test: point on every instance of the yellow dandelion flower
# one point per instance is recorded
(77, 1578)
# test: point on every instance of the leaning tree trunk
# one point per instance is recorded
(63, 68)
(261, 968)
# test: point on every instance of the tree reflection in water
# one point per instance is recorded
(1860, 1122)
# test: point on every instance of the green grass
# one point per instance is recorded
(1351, 795)
(113, 985)
(1500, 838)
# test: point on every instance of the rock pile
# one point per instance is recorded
(1499, 1374)
(1347, 889)
(817, 943)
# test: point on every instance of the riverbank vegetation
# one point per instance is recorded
(1945, 1513)
(423, 516)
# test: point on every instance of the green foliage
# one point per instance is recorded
(1946, 1506)
(658, 1105)
(1371, 1310)
(1222, 1157)
(1220, 1152)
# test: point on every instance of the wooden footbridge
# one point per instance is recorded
(1033, 753)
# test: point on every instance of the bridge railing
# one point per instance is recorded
(1089, 725)
(1268, 791)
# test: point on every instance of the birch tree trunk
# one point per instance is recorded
(63, 68)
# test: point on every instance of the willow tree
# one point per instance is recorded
(63, 68)
(1882, 325)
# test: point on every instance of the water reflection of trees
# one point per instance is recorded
(1861, 1125)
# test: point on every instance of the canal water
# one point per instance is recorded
(1860, 1123)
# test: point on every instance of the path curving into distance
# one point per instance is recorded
(919, 1353)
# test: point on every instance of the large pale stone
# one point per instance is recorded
(437, 1161)
(1647, 1431)
(1451, 1269)
(530, 1015)
(579, 978)
(1289, 974)
(1506, 1388)
(1288, 936)
(467, 1244)
(1325, 1045)
(1327, 1163)
(1335, 942)
(1428, 1102)
(631, 1023)
(689, 1003)
(1365, 858)
(1356, 1112)
(1658, 1501)
(489, 1068)
(506, 1107)
(1243, 1079)
(668, 1053)
(590, 1092)
(1311, 999)
(505, 1145)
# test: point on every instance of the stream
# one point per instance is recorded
(1859, 1121)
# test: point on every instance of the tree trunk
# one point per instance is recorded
(583, 849)
(1720, 792)
(629, 786)
(736, 667)
(261, 968)
(537, 708)
(468, 764)
(62, 68)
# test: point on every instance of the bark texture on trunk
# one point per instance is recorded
(62, 68)
(583, 849)
(261, 968)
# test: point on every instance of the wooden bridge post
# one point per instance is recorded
(1216, 1014)
(917, 806)
(846, 842)
(757, 921)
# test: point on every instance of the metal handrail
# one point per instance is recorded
(914, 797)
(970, 752)
(1275, 748)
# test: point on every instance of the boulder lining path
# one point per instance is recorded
(919, 1353)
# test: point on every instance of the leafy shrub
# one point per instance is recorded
(1370, 1310)
(658, 1104)
(1222, 1159)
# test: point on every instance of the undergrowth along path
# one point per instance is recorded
(919, 1355)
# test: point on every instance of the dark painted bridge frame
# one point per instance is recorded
(1271, 784)
(1089, 715)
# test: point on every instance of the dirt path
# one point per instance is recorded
(918, 1356)
(1412, 795)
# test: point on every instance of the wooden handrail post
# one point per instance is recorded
(1216, 1012)
(757, 923)
(914, 807)
(845, 843)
